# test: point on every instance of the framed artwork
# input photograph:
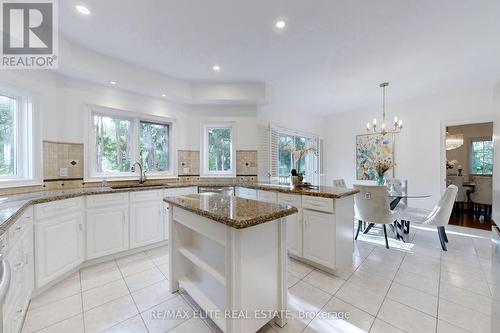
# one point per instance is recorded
(370, 148)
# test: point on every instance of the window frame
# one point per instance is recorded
(27, 141)
(205, 127)
(90, 173)
(471, 154)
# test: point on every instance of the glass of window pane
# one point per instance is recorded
(7, 136)
(285, 156)
(219, 149)
(113, 143)
(154, 146)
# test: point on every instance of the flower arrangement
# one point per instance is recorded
(383, 166)
(450, 164)
(298, 154)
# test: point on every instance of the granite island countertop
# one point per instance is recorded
(230, 210)
(12, 206)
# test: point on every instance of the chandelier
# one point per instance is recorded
(372, 127)
(454, 141)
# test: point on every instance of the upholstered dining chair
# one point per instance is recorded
(439, 216)
(372, 205)
(482, 195)
(458, 181)
(339, 183)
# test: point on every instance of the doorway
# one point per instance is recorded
(469, 166)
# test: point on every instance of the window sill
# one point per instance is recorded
(218, 176)
(9, 183)
(99, 179)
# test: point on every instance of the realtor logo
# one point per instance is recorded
(29, 38)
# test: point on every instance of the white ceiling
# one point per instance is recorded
(330, 59)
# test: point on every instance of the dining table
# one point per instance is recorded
(395, 198)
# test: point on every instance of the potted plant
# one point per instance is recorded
(298, 154)
(382, 167)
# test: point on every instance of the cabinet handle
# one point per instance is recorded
(18, 266)
(18, 228)
(26, 257)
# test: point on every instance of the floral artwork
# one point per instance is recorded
(370, 149)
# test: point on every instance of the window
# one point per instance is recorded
(7, 136)
(282, 160)
(154, 146)
(218, 150)
(121, 138)
(17, 138)
(482, 157)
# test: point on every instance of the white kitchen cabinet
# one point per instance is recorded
(58, 246)
(293, 223)
(267, 196)
(107, 231)
(247, 193)
(172, 193)
(319, 237)
(146, 223)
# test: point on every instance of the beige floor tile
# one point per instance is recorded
(444, 327)
(466, 298)
(94, 277)
(164, 269)
(417, 281)
(306, 297)
(192, 325)
(68, 287)
(131, 258)
(463, 317)
(103, 294)
(152, 295)
(324, 281)
(406, 318)
(158, 320)
(378, 269)
(375, 283)
(299, 269)
(361, 296)
(52, 313)
(144, 279)
(73, 325)
(292, 280)
(109, 314)
(414, 298)
(136, 266)
(380, 326)
(132, 325)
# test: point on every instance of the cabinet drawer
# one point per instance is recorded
(57, 208)
(146, 196)
(18, 228)
(174, 192)
(290, 199)
(317, 203)
(247, 193)
(267, 196)
(111, 199)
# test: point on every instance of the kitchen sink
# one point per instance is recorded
(121, 187)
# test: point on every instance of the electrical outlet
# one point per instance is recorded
(63, 172)
(185, 171)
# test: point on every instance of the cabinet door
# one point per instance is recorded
(146, 223)
(294, 233)
(319, 237)
(58, 246)
(166, 221)
(107, 231)
(29, 264)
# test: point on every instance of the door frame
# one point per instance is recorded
(455, 122)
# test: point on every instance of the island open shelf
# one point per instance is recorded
(230, 269)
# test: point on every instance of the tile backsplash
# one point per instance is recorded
(62, 160)
(246, 162)
(188, 162)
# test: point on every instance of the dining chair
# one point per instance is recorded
(439, 216)
(339, 183)
(482, 195)
(371, 205)
(461, 199)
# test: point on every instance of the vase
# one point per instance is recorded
(380, 180)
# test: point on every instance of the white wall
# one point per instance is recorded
(419, 151)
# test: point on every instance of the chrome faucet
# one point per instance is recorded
(142, 175)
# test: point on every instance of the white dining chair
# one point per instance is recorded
(439, 216)
(483, 194)
(371, 205)
(339, 183)
(458, 181)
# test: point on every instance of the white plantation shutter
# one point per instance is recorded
(273, 153)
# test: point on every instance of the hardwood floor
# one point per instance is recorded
(466, 219)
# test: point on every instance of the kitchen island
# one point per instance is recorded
(229, 254)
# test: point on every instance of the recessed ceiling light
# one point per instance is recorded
(163, 95)
(82, 10)
(112, 82)
(280, 24)
(216, 68)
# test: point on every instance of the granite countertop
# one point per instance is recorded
(230, 210)
(318, 191)
(11, 207)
